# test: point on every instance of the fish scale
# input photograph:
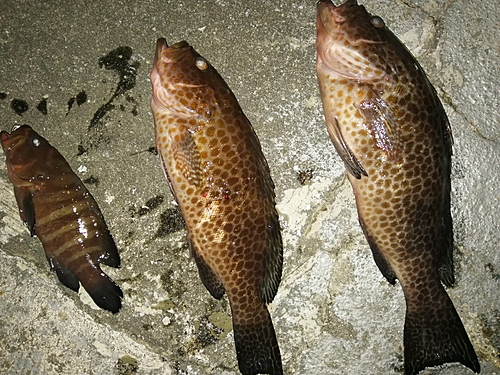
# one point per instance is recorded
(221, 181)
(390, 129)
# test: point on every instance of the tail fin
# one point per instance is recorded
(104, 291)
(435, 335)
(256, 345)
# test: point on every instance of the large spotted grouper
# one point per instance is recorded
(221, 181)
(390, 129)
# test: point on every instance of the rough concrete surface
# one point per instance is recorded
(334, 312)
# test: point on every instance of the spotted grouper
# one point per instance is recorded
(219, 176)
(57, 207)
(390, 129)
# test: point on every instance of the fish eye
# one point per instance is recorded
(201, 63)
(377, 22)
(36, 142)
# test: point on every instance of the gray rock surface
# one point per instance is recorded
(334, 312)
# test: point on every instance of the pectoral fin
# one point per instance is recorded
(26, 208)
(352, 164)
(187, 156)
(208, 277)
(383, 124)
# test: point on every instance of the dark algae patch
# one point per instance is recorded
(206, 334)
(305, 177)
(79, 99)
(81, 150)
(170, 221)
(127, 365)
(175, 286)
(147, 207)
(494, 273)
(91, 180)
(492, 329)
(153, 150)
(119, 61)
(19, 106)
(42, 106)
(101, 112)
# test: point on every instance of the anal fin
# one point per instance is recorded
(379, 258)
(208, 277)
(65, 276)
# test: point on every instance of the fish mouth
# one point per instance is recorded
(4, 136)
(347, 4)
(161, 44)
(342, 13)
(10, 143)
(179, 45)
(168, 53)
(15, 138)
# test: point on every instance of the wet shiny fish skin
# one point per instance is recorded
(219, 176)
(57, 208)
(390, 129)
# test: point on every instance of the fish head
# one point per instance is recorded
(183, 82)
(350, 41)
(23, 149)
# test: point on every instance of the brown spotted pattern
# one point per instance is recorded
(221, 181)
(390, 129)
(57, 207)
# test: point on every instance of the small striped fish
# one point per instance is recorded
(58, 208)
